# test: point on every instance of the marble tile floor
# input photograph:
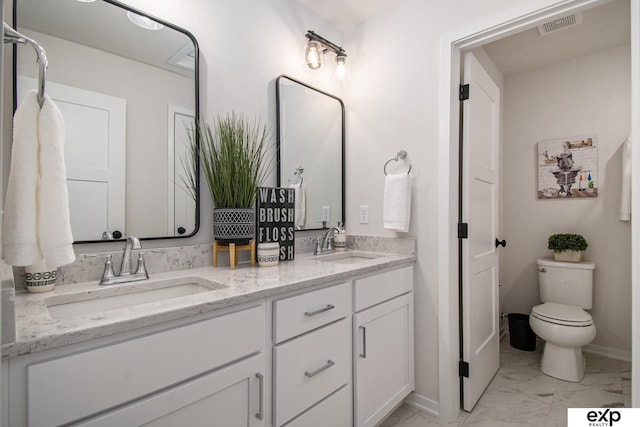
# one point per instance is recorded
(521, 395)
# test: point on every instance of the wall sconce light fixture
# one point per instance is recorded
(317, 46)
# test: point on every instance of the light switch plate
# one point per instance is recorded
(326, 213)
(364, 214)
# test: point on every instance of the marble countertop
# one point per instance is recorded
(37, 331)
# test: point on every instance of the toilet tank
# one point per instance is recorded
(569, 283)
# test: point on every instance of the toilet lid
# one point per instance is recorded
(561, 314)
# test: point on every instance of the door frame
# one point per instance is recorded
(452, 45)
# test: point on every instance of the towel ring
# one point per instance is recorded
(299, 171)
(400, 155)
(12, 36)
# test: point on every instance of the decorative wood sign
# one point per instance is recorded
(275, 213)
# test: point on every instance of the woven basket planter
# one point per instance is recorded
(233, 225)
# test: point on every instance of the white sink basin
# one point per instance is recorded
(125, 295)
(348, 257)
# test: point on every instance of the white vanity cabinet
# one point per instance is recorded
(312, 358)
(334, 354)
(210, 371)
(383, 344)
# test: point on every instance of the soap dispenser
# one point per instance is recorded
(340, 238)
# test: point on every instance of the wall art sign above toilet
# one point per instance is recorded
(568, 167)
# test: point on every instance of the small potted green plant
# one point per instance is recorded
(235, 159)
(567, 247)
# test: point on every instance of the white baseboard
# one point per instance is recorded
(611, 353)
(424, 404)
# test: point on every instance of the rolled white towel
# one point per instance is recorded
(36, 223)
(19, 228)
(300, 190)
(397, 202)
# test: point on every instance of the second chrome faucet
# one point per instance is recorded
(324, 244)
(125, 275)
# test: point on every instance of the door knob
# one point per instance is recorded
(502, 243)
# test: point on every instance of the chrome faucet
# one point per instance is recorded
(125, 275)
(132, 243)
(326, 245)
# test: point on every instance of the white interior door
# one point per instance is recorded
(181, 204)
(95, 156)
(480, 150)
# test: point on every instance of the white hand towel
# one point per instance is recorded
(625, 193)
(36, 226)
(300, 191)
(397, 202)
(54, 224)
(19, 228)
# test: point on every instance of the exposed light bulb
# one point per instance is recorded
(341, 67)
(313, 54)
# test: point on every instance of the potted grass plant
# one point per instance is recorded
(233, 154)
(567, 247)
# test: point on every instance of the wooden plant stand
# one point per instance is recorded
(233, 249)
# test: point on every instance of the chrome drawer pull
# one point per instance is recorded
(329, 364)
(364, 342)
(261, 397)
(318, 311)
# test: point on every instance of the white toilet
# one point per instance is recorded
(566, 290)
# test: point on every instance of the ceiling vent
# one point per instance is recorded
(560, 24)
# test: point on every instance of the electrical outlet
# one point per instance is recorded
(326, 213)
(364, 214)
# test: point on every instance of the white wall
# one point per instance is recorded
(589, 94)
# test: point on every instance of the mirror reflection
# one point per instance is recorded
(310, 132)
(127, 91)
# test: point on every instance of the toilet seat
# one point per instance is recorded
(560, 314)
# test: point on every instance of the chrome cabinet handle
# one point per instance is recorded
(318, 311)
(329, 364)
(364, 342)
(542, 270)
(260, 413)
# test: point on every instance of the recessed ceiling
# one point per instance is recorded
(601, 27)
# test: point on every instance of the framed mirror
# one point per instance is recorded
(127, 86)
(311, 137)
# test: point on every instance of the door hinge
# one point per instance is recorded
(463, 230)
(464, 92)
(463, 369)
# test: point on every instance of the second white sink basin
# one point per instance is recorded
(126, 295)
(348, 257)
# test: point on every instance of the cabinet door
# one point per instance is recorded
(384, 358)
(232, 396)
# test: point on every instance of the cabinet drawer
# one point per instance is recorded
(373, 290)
(334, 411)
(66, 389)
(301, 313)
(310, 368)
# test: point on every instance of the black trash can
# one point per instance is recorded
(521, 335)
